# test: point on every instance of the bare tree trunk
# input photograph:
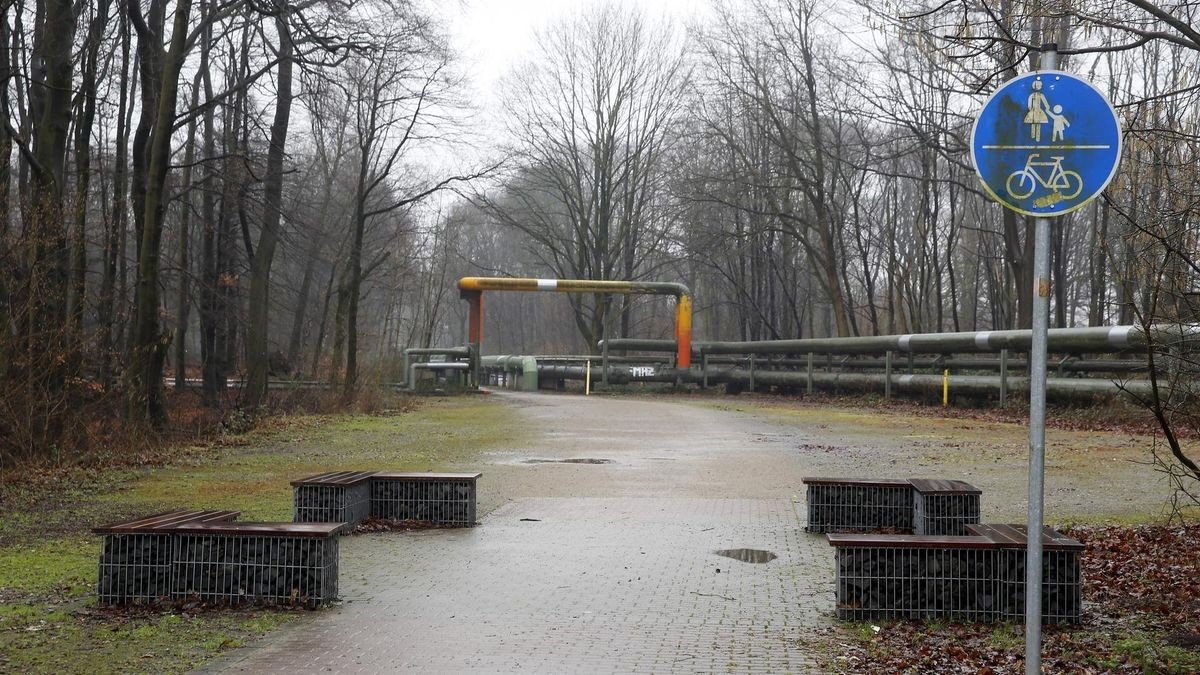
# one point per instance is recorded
(114, 250)
(260, 270)
(353, 289)
(316, 359)
(146, 404)
(83, 175)
(183, 298)
(6, 146)
(210, 280)
(296, 339)
(43, 290)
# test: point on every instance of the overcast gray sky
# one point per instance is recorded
(493, 36)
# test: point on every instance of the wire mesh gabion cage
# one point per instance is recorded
(944, 513)
(236, 569)
(839, 506)
(444, 501)
(1062, 596)
(919, 583)
(978, 577)
(134, 568)
(350, 504)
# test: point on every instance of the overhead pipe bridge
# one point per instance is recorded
(471, 289)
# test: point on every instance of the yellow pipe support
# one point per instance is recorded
(570, 285)
(683, 308)
(945, 388)
(587, 387)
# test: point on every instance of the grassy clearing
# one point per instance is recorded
(48, 618)
(1092, 476)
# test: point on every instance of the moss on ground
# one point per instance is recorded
(48, 618)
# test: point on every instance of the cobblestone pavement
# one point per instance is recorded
(622, 578)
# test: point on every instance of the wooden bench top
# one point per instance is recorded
(164, 522)
(344, 478)
(907, 541)
(940, 486)
(922, 485)
(983, 537)
(335, 478)
(1014, 536)
(317, 530)
(400, 475)
(865, 482)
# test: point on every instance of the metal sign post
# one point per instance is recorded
(1045, 144)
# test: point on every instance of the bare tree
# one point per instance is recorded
(397, 94)
(592, 119)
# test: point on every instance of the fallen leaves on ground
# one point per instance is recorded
(371, 525)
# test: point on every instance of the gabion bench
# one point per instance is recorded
(858, 504)
(944, 507)
(976, 577)
(918, 505)
(335, 497)
(443, 499)
(269, 563)
(446, 499)
(135, 561)
(182, 554)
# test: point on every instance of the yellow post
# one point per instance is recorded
(945, 387)
(587, 387)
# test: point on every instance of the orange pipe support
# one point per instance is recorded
(472, 288)
(683, 331)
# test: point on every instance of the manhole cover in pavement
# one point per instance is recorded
(748, 555)
(574, 460)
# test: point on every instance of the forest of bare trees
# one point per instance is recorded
(199, 192)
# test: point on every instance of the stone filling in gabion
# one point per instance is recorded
(944, 514)
(134, 568)
(859, 508)
(350, 504)
(446, 502)
(255, 569)
(967, 584)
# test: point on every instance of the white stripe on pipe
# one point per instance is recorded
(547, 284)
(981, 339)
(1118, 336)
(902, 343)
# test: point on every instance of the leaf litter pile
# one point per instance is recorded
(1141, 614)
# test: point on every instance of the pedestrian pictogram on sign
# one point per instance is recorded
(1046, 143)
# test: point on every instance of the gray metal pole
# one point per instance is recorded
(604, 360)
(1037, 424)
(1003, 377)
(887, 375)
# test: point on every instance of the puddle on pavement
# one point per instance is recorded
(748, 555)
(573, 460)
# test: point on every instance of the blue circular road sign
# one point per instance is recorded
(1046, 143)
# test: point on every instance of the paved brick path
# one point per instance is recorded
(562, 584)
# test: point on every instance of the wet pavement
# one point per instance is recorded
(685, 552)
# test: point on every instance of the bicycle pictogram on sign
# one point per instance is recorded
(1065, 184)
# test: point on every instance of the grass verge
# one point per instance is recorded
(48, 618)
